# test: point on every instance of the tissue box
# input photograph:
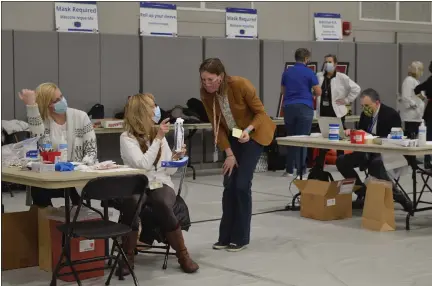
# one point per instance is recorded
(112, 124)
(41, 167)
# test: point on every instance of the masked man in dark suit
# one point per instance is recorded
(377, 119)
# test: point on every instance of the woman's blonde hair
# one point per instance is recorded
(138, 120)
(45, 93)
(415, 69)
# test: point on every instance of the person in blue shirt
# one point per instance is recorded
(296, 87)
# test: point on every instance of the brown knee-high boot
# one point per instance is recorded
(175, 239)
(129, 245)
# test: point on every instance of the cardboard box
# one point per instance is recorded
(44, 239)
(50, 243)
(378, 210)
(19, 239)
(325, 201)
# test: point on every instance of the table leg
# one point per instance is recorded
(106, 218)
(293, 207)
(414, 205)
(191, 133)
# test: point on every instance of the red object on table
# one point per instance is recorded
(50, 156)
(96, 248)
(358, 137)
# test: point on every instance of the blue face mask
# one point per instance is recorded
(61, 106)
(157, 114)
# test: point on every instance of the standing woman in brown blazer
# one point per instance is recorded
(241, 128)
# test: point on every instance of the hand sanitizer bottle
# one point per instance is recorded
(422, 134)
(63, 149)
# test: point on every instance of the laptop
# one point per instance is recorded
(324, 125)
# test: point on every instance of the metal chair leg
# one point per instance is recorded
(165, 264)
(57, 269)
(69, 261)
(115, 263)
(125, 260)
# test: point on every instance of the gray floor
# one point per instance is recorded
(285, 249)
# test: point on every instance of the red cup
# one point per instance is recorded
(50, 156)
(358, 137)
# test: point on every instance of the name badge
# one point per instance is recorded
(326, 103)
(155, 185)
(215, 156)
(237, 132)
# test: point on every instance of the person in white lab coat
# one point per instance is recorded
(338, 90)
(412, 105)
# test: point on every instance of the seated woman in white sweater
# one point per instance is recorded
(143, 146)
(48, 114)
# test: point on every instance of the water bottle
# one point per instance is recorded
(63, 149)
(422, 134)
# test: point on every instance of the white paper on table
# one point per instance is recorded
(299, 136)
(110, 170)
(315, 135)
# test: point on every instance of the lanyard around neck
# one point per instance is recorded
(215, 127)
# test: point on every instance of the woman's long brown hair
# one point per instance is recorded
(138, 120)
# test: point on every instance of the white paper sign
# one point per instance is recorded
(158, 19)
(79, 17)
(331, 202)
(241, 23)
(328, 27)
(86, 245)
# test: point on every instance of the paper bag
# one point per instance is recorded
(19, 239)
(378, 211)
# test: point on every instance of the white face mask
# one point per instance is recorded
(329, 67)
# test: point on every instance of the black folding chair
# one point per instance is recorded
(159, 236)
(103, 189)
(425, 176)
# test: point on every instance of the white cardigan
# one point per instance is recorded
(411, 107)
(342, 87)
(81, 137)
(132, 156)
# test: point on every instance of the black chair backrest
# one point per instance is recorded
(115, 187)
(16, 137)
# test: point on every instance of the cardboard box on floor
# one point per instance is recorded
(378, 210)
(324, 201)
(19, 239)
(44, 235)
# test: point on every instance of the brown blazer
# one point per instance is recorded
(247, 109)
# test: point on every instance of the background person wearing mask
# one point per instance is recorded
(426, 87)
(49, 114)
(296, 87)
(233, 106)
(338, 90)
(411, 103)
(377, 119)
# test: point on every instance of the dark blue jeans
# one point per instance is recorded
(237, 196)
(298, 121)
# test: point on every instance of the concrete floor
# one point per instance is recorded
(285, 248)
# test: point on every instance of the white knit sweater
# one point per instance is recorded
(81, 137)
(133, 156)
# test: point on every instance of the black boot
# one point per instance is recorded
(402, 198)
